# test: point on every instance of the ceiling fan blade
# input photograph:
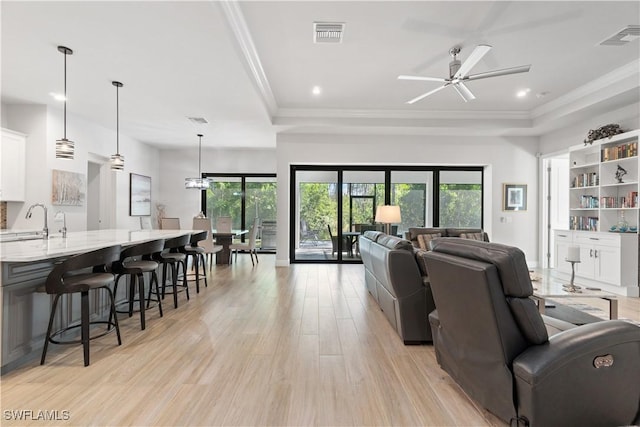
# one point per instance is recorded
(464, 92)
(424, 95)
(428, 79)
(477, 54)
(503, 72)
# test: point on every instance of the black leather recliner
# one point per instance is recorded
(490, 337)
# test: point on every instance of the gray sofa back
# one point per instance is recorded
(393, 279)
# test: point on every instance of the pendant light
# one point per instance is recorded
(64, 147)
(117, 160)
(198, 183)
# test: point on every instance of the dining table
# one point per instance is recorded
(224, 239)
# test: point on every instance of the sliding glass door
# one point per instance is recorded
(248, 199)
(332, 205)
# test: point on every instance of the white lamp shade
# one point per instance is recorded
(388, 214)
(573, 254)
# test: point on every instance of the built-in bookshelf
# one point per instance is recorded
(604, 184)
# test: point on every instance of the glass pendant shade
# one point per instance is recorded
(198, 183)
(65, 148)
(117, 160)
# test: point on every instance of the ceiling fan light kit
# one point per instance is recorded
(459, 73)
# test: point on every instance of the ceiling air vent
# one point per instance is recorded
(198, 120)
(622, 37)
(328, 32)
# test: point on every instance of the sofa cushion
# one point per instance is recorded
(457, 232)
(393, 242)
(472, 236)
(373, 235)
(424, 239)
(422, 263)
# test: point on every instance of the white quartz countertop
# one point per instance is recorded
(78, 242)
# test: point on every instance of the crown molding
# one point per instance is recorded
(238, 25)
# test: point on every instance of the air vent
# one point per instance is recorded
(198, 120)
(622, 37)
(328, 32)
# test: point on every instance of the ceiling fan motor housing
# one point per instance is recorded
(454, 66)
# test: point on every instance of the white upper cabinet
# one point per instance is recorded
(12, 166)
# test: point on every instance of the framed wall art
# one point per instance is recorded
(139, 195)
(514, 197)
(68, 188)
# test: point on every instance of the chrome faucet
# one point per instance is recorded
(64, 223)
(45, 230)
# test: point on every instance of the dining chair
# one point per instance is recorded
(145, 223)
(250, 246)
(170, 223)
(210, 248)
(223, 224)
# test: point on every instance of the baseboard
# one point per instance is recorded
(282, 263)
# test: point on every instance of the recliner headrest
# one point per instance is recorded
(510, 261)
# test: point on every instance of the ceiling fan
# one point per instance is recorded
(459, 73)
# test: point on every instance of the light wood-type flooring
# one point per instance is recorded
(298, 346)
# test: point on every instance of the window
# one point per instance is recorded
(460, 199)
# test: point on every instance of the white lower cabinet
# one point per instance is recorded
(607, 259)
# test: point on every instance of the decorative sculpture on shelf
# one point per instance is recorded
(620, 172)
(606, 131)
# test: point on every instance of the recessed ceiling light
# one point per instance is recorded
(522, 93)
(542, 94)
(57, 96)
(316, 90)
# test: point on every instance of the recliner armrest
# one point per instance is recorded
(593, 339)
(583, 376)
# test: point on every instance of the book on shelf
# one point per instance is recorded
(585, 180)
(583, 223)
(619, 152)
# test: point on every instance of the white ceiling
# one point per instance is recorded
(248, 67)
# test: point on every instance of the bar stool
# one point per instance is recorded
(128, 265)
(197, 254)
(60, 282)
(172, 258)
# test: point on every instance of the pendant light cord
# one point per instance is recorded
(65, 95)
(199, 155)
(117, 121)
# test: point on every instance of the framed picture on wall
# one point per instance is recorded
(68, 188)
(514, 197)
(139, 195)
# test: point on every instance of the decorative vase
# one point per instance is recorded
(623, 225)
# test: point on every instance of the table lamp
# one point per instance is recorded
(573, 256)
(387, 215)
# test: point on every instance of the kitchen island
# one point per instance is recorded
(24, 267)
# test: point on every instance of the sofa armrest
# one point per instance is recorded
(586, 374)
(593, 339)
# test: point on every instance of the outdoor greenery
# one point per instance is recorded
(460, 205)
(225, 199)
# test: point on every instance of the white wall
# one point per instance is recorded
(43, 126)
(176, 165)
(506, 160)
